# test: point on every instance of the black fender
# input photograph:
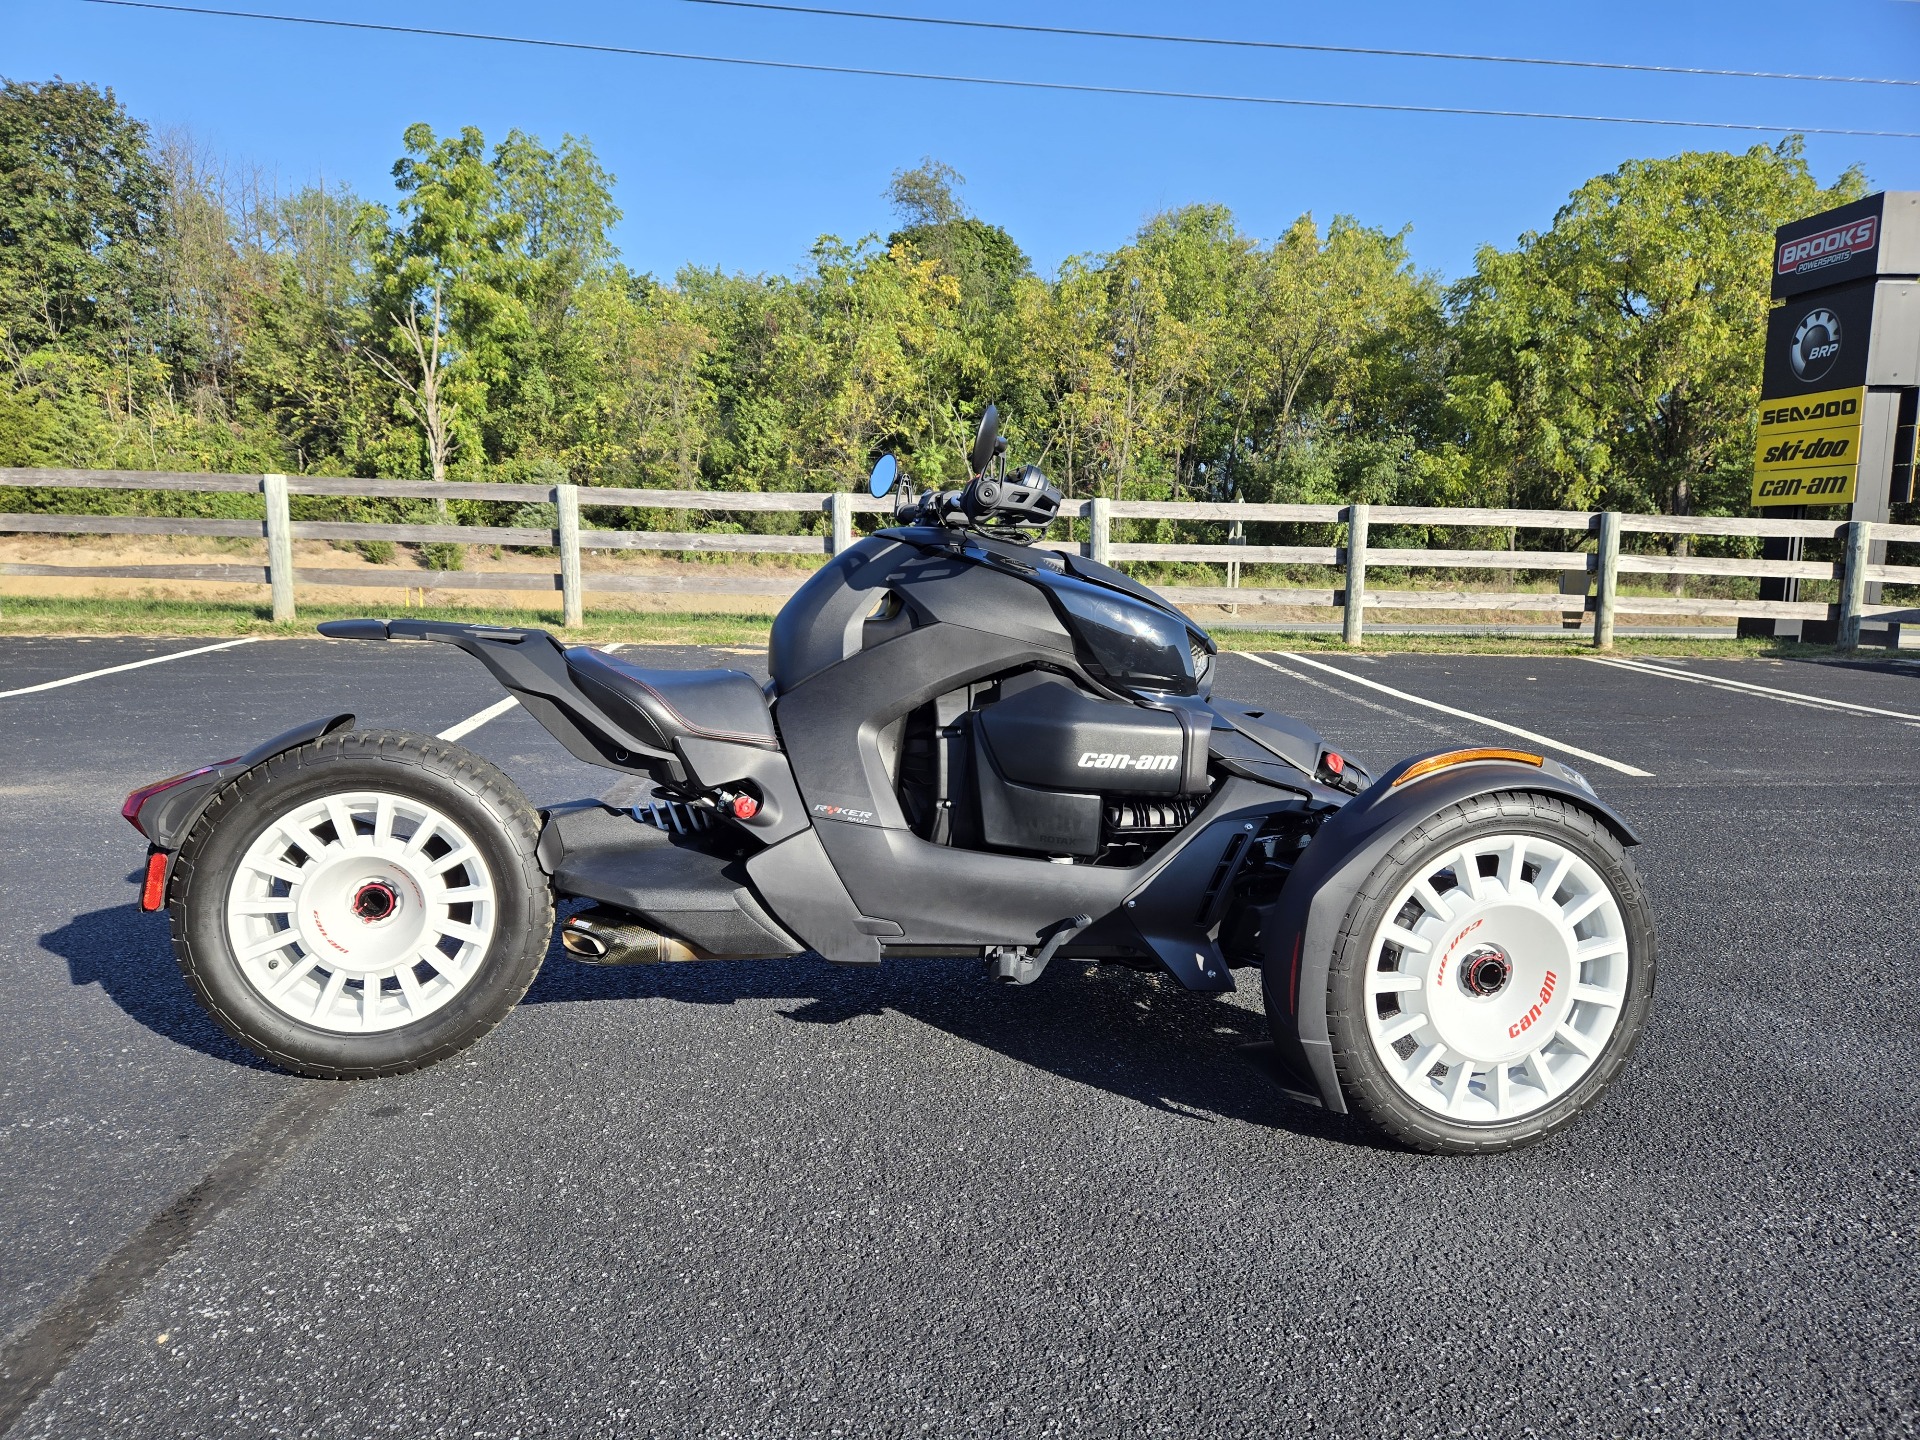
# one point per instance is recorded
(1298, 946)
(168, 816)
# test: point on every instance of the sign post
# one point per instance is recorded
(1842, 364)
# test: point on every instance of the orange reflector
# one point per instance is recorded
(1461, 757)
(153, 890)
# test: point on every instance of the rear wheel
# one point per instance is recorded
(1492, 976)
(363, 905)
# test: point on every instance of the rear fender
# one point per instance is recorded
(1299, 945)
(168, 817)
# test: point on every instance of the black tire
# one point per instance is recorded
(468, 790)
(1371, 1093)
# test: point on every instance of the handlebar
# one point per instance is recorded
(1025, 498)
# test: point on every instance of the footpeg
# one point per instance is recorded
(1016, 965)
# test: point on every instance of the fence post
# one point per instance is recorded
(1606, 563)
(279, 546)
(1354, 613)
(1236, 535)
(1853, 582)
(1099, 530)
(840, 513)
(566, 504)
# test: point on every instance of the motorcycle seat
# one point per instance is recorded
(725, 705)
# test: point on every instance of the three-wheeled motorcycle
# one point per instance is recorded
(970, 745)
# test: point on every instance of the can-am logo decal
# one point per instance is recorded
(1103, 760)
(1816, 344)
(1829, 247)
(1539, 1007)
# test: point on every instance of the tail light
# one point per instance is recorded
(130, 810)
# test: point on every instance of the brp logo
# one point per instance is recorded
(1816, 344)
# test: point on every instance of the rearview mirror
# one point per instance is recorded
(986, 443)
(885, 471)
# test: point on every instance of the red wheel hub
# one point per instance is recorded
(375, 900)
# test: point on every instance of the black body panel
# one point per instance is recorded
(822, 623)
(831, 726)
(802, 886)
(1060, 738)
(675, 884)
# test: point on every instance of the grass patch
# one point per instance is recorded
(61, 615)
(1379, 643)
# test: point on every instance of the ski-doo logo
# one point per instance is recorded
(1103, 760)
(1793, 452)
(1829, 247)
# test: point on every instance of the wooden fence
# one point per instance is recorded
(1348, 589)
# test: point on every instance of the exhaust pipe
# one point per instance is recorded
(613, 937)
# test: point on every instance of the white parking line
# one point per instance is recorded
(474, 722)
(493, 712)
(1537, 738)
(120, 669)
(1720, 682)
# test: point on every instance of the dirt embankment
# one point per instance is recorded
(406, 580)
(736, 585)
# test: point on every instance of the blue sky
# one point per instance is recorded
(743, 168)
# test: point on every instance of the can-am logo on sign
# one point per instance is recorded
(1829, 247)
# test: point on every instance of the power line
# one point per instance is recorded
(998, 82)
(1293, 45)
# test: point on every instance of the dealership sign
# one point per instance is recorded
(1830, 247)
(1808, 452)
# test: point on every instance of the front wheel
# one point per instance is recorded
(362, 905)
(1493, 975)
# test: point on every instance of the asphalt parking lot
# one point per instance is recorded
(785, 1199)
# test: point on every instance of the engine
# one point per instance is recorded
(1032, 764)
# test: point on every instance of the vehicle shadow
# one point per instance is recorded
(126, 953)
(1137, 1035)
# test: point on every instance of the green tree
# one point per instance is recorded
(311, 260)
(473, 289)
(985, 264)
(82, 220)
(1615, 358)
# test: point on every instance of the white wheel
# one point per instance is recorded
(364, 905)
(361, 911)
(1497, 977)
(1491, 976)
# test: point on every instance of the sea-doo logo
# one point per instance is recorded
(1816, 344)
(1799, 414)
(1829, 247)
(1102, 760)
